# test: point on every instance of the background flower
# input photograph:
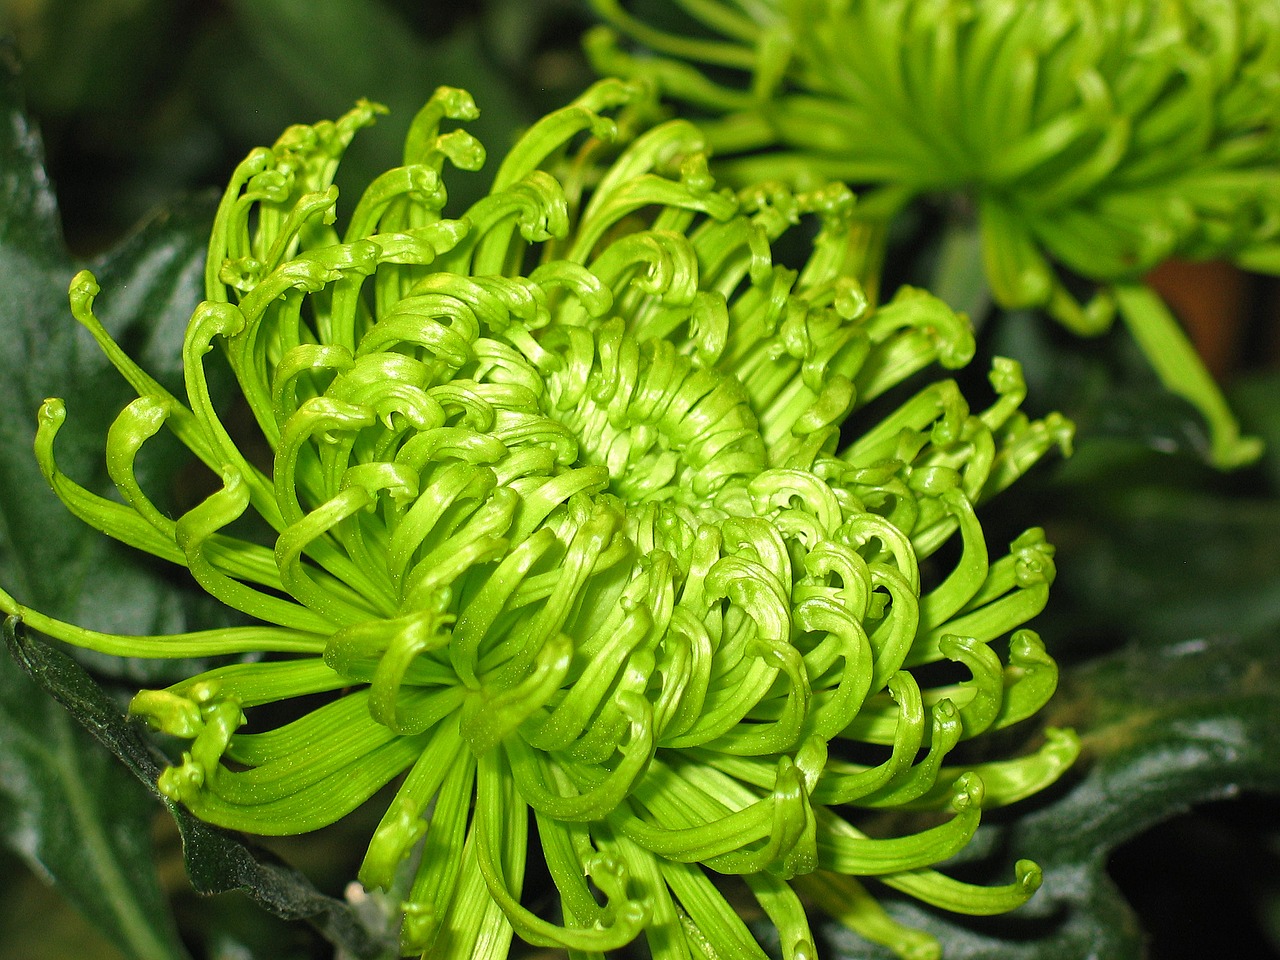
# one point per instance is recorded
(1093, 140)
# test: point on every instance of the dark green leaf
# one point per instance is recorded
(1164, 729)
(47, 559)
(1257, 399)
(76, 817)
(79, 820)
(1160, 564)
(39, 923)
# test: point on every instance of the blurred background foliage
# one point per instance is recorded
(141, 99)
(144, 101)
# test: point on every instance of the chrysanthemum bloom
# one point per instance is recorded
(563, 531)
(1096, 138)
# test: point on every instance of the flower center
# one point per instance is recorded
(664, 428)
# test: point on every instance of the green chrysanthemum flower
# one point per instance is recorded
(561, 524)
(1096, 137)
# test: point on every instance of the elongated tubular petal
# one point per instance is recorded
(1181, 371)
(532, 781)
(116, 520)
(445, 102)
(689, 637)
(985, 623)
(567, 849)
(307, 732)
(193, 531)
(361, 536)
(421, 634)
(705, 51)
(306, 585)
(1029, 561)
(403, 826)
(209, 321)
(535, 206)
(450, 483)
(847, 901)
(1023, 444)
(672, 76)
(977, 901)
(177, 646)
(843, 849)
(418, 246)
(490, 717)
(730, 698)
(892, 638)
(440, 868)
(501, 814)
(1008, 781)
(697, 824)
(251, 684)
(315, 760)
(419, 182)
(780, 733)
(885, 719)
(967, 576)
(653, 150)
(220, 239)
(323, 416)
(1030, 679)
(843, 782)
(310, 807)
(646, 269)
(980, 698)
(302, 363)
(481, 538)
(590, 545)
(944, 732)
(915, 328)
(835, 711)
(84, 287)
(475, 927)
(137, 423)
(487, 604)
(555, 130)
(444, 326)
(606, 735)
(664, 931)
(939, 406)
(634, 194)
(787, 913)
(319, 203)
(712, 919)
(567, 721)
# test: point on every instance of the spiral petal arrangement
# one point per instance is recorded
(1097, 138)
(564, 533)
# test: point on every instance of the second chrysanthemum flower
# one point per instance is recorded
(1094, 139)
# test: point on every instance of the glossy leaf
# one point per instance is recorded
(78, 820)
(157, 272)
(74, 815)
